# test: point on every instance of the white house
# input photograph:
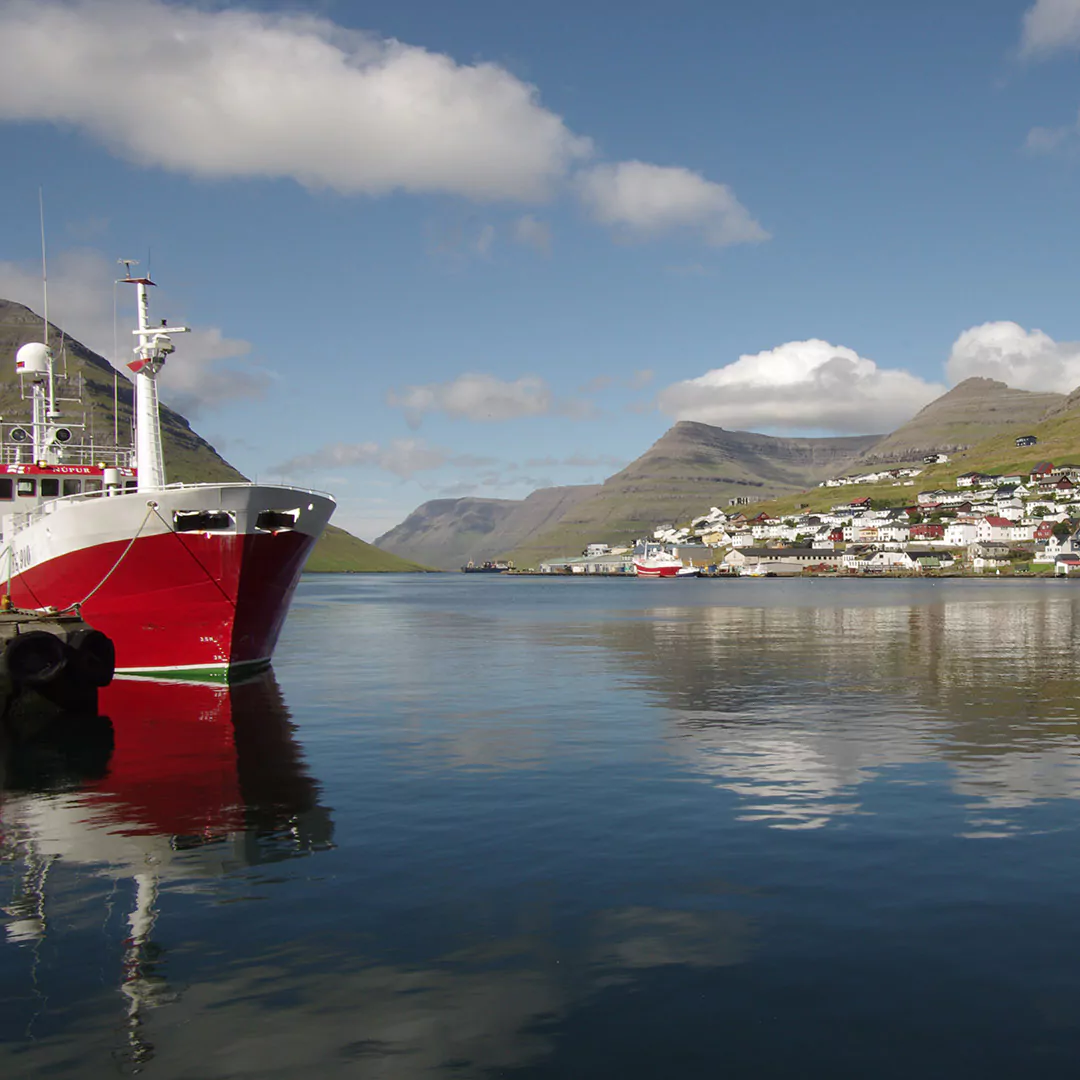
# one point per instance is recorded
(889, 560)
(894, 533)
(961, 533)
(1022, 531)
(992, 528)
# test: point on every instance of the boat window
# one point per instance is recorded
(276, 520)
(6, 488)
(202, 520)
(131, 485)
(50, 486)
(26, 486)
(72, 487)
(91, 485)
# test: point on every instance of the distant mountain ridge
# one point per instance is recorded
(447, 533)
(691, 467)
(694, 466)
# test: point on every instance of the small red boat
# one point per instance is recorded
(657, 561)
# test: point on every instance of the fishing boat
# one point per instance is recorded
(657, 561)
(188, 580)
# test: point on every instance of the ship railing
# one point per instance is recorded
(22, 519)
(246, 484)
(12, 453)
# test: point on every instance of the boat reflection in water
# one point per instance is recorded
(174, 782)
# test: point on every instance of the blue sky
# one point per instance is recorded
(438, 249)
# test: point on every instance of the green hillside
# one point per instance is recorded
(1059, 442)
(339, 551)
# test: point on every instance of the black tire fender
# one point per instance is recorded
(35, 658)
(94, 656)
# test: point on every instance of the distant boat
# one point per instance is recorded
(487, 567)
(658, 562)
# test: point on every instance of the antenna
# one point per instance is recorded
(115, 362)
(44, 272)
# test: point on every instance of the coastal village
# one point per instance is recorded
(1021, 523)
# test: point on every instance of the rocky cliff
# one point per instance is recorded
(970, 413)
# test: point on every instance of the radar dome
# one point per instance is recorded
(33, 358)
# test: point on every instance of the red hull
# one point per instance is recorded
(198, 760)
(178, 601)
(657, 571)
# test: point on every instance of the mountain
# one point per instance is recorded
(1057, 432)
(695, 466)
(690, 468)
(971, 412)
(188, 456)
(447, 533)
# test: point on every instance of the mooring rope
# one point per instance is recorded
(151, 509)
(198, 562)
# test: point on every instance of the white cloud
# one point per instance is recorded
(481, 397)
(649, 199)
(597, 384)
(1050, 25)
(1043, 140)
(240, 93)
(208, 371)
(533, 233)
(485, 240)
(203, 374)
(808, 385)
(80, 295)
(402, 457)
(234, 93)
(1025, 359)
(576, 461)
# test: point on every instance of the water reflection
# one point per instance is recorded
(491, 1006)
(176, 783)
(794, 708)
(575, 837)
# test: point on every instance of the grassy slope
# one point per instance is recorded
(339, 551)
(1059, 442)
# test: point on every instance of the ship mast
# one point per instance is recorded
(154, 346)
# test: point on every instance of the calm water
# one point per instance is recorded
(554, 828)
